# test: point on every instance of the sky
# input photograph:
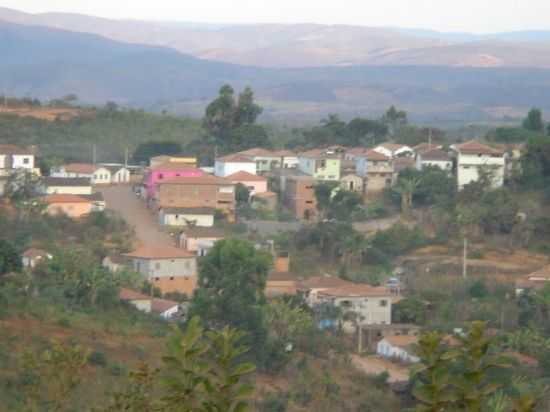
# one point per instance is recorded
(478, 16)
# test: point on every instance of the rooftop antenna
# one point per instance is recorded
(126, 158)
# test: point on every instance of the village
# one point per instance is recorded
(176, 206)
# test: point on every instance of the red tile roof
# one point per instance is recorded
(129, 294)
(356, 290)
(435, 154)
(475, 147)
(61, 198)
(393, 146)
(375, 156)
(84, 168)
(424, 147)
(34, 253)
(11, 149)
(256, 151)
(402, 341)
(205, 179)
(162, 305)
(235, 158)
(159, 253)
(243, 176)
(321, 282)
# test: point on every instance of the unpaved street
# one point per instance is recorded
(121, 199)
(374, 365)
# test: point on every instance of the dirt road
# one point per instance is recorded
(121, 199)
(373, 365)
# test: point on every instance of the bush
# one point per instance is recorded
(478, 290)
(274, 403)
(117, 370)
(98, 358)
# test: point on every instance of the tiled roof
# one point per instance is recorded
(66, 181)
(63, 198)
(235, 158)
(402, 341)
(162, 305)
(34, 253)
(543, 273)
(320, 282)
(357, 151)
(205, 232)
(435, 154)
(159, 253)
(425, 147)
(11, 149)
(189, 210)
(356, 290)
(374, 156)
(319, 154)
(243, 176)
(197, 180)
(475, 147)
(393, 146)
(84, 168)
(283, 153)
(281, 277)
(129, 294)
(94, 197)
(257, 151)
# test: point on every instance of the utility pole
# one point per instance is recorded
(430, 138)
(126, 158)
(360, 340)
(465, 259)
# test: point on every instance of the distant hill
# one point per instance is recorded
(48, 63)
(310, 45)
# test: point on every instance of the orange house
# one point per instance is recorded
(71, 205)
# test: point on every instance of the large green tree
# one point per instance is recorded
(232, 279)
(10, 261)
(534, 121)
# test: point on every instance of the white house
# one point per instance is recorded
(394, 150)
(434, 158)
(230, 164)
(399, 347)
(166, 309)
(97, 174)
(31, 257)
(13, 157)
(199, 239)
(65, 185)
(472, 157)
(119, 174)
(361, 304)
(185, 216)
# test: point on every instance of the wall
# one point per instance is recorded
(191, 244)
(156, 176)
(385, 349)
(183, 284)
(69, 190)
(300, 197)
(369, 309)
(121, 176)
(152, 268)
(22, 162)
(3, 161)
(254, 187)
(74, 210)
(224, 169)
(142, 305)
(173, 219)
(468, 168)
(195, 195)
(315, 168)
(352, 183)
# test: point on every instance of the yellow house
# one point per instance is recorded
(185, 161)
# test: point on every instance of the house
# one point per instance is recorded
(280, 281)
(321, 164)
(398, 347)
(434, 158)
(166, 171)
(254, 183)
(277, 178)
(230, 164)
(140, 301)
(403, 163)
(266, 160)
(170, 269)
(267, 200)
(98, 201)
(73, 206)
(199, 239)
(31, 257)
(98, 175)
(197, 192)
(13, 157)
(362, 304)
(353, 183)
(114, 263)
(472, 157)
(393, 150)
(310, 288)
(119, 174)
(185, 216)
(166, 309)
(65, 185)
(377, 171)
(299, 197)
(355, 152)
(425, 147)
(534, 281)
(189, 162)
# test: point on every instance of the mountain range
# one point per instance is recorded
(299, 72)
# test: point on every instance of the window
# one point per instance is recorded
(157, 279)
(157, 265)
(332, 177)
(383, 303)
(250, 187)
(309, 202)
(171, 277)
(26, 161)
(323, 164)
(161, 176)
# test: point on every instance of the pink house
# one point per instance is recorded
(166, 171)
(254, 183)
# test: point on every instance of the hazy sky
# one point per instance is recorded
(445, 15)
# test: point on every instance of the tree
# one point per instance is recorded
(365, 132)
(394, 119)
(53, 375)
(146, 151)
(287, 323)
(534, 121)
(323, 194)
(406, 187)
(232, 280)
(247, 110)
(242, 194)
(220, 113)
(10, 261)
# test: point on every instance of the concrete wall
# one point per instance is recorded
(371, 310)
(224, 169)
(468, 167)
(22, 162)
(178, 267)
(173, 219)
(121, 176)
(68, 190)
(385, 349)
(74, 210)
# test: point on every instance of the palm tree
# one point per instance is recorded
(406, 188)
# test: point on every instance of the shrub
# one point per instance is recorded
(274, 402)
(98, 358)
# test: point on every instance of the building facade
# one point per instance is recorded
(299, 197)
(473, 159)
(231, 164)
(320, 164)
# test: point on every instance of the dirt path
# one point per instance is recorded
(121, 199)
(374, 365)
